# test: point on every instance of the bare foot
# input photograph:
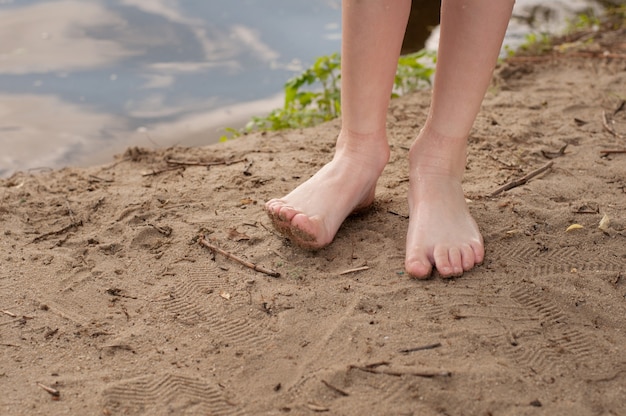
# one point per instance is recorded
(442, 232)
(313, 212)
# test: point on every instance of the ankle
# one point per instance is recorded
(436, 155)
(371, 149)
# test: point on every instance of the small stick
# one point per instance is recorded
(11, 321)
(231, 256)
(425, 374)
(166, 231)
(53, 392)
(422, 348)
(124, 347)
(335, 389)
(58, 232)
(11, 314)
(246, 170)
(358, 269)
(158, 172)
(317, 408)
(521, 181)
(99, 179)
(505, 164)
(607, 127)
(377, 364)
(554, 155)
(114, 164)
(612, 151)
(207, 164)
(406, 217)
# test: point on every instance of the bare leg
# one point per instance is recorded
(442, 232)
(372, 37)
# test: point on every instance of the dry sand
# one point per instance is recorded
(107, 298)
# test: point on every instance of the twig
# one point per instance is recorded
(521, 181)
(207, 164)
(168, 169)
(554, 155)
(10, 322)
(335, 389)
(124, 347)
(397, 214)
(246, 170)
(421, 348)
(11, 314)
(398, 373)
(505, 164)
(116, 292)
(317, 408)
(165, 230)
(231, 256)
(99, 179)
(53, 392)
(607, 127)
(612, 151)
(357, 269)
(114, 164)
(58, 232)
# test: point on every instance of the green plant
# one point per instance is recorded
(536, 43)
(310, 98)
(314, 96)
(583, 21)
(414, 72)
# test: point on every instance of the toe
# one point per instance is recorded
(468, 258)
(273, 205)
(456, 261)
(418, 264)
(442, 261)
(479, 251)
(285, 212)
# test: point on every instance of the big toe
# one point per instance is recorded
(279, 210)
(418, 264)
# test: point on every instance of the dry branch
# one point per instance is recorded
(58, 232)
(521, 181)
(421, 348)
(207, 164)
(607, 126)
(53, 392)
(202, 240)
(357, 269)
(400, 373)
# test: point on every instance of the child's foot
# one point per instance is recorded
(313, 212)
(442, 233)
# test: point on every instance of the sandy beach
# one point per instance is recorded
(113, 303)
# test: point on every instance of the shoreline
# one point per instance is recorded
(107, 134)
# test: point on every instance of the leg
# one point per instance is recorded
(372, 37)
(442, 232)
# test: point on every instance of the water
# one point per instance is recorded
(83, 80)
